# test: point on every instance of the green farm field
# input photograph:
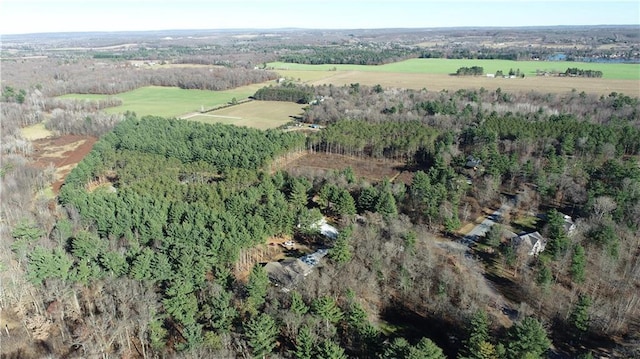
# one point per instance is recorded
(257, 114)
(449, 66)
(432, 74)
(171, 101)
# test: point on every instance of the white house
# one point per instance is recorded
(568, 224)
(325, 228)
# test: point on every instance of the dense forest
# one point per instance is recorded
(169, 207)
(172, 226)
(365, 54)
(156, 244)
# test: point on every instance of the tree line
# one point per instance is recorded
(574, 71)
(470, 71)
(284, 93)
(88, 77)
(361, 54)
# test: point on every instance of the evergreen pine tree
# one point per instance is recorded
(478, 334)
(344, 203)
(341, 251)
(299, 196)
(578, 263)
(115, 263)
(544, 276)
(580, 315)
(494, 235)
(326, 194)
(386, 204)
(305, 343)
(558, 240)
(330, 350)
(527, 337)
(326, 308)
(397, 349)
(426, 349)
(367, 199)
(487, 350)
(298, 305)
(257, 286)
(261, 332)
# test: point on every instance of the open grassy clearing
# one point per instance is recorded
(35, 132)
(257, 114)
(448, 66)
(171, 101)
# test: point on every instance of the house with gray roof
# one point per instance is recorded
(533, 242)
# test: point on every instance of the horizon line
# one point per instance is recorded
(293, 28)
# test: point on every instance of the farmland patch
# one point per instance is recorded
(435, 82)
(171, 101)
(449, 66)
(257, 114)
(434, 74)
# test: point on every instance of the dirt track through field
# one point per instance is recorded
(191, 115)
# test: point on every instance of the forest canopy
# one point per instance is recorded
(163, 240)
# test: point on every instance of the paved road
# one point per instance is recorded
(499, 301)
(481, 229)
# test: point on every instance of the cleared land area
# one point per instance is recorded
(370, 169)
(434, 82)
(63, 153)
(35, 132)
(257, 114)
(449, 66)
(171, 101)
(430, 74)
(433, 74)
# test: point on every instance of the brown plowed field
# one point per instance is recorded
(437, 82)
(63, 153)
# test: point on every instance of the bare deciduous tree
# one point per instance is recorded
(603, 206)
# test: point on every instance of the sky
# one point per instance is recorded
(35, 16)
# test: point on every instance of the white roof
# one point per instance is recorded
(326, 229)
